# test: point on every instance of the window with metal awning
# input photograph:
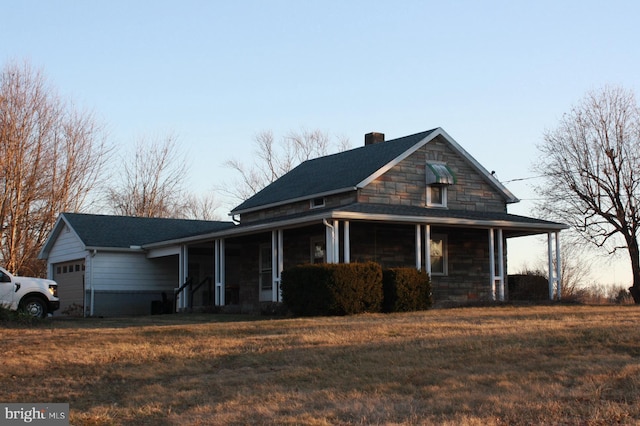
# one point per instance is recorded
(440, 173)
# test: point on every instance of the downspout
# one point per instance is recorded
(418, 238)
(327, 243)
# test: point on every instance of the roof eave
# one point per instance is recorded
(382, 170)
(132, 249)
(508, 195)
(241, 230)
(294, 200)
(53, 235)
(450, 221)
(333, 214)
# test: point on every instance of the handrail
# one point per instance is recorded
(192, 290)
(179, 290)
(208, 279)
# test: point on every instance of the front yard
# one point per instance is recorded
(466, 366)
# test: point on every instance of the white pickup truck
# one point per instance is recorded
(35, 296)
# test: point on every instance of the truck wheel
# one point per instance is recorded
(35, 307)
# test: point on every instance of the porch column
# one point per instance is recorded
(277, 262)
(492, 264)
(554, 269)
(347, 243)
(500, 265)
(418, 247)
(183, 271)
(427, 249)
(328, 240)
(496, 293)
(219, 271)
(332, 241)
(558, 266)
(336, 241)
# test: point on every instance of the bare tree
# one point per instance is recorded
(151, 180)
(273, 159)
(575, 267)
(591, 164)
(153, 184)
(51, 156)
(201, 207)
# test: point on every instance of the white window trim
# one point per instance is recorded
(315, 240)
(445, 254)
(430, 203)
(313, 205)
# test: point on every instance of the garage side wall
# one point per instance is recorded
(127, 283)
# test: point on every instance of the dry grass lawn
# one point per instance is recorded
(565, 365)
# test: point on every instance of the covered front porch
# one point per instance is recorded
(465, 253)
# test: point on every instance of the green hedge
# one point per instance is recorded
(406, 289)
(333, 289)
(305, 289)
(345, 289)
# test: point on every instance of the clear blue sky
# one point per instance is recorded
(493, 74)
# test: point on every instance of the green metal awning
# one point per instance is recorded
(440, 173)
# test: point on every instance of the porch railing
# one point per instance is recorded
(191, 289)
(179, 290)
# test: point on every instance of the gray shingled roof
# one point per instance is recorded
(125, 231)
(332, 173)
(415, 211)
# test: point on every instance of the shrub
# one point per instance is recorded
(20, 318)
(356, 288)
(528, 287)
(305, 289)
(406, 289)
(333, 289)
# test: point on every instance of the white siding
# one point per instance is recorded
(66, 247)
(133, 272)
(128, 283)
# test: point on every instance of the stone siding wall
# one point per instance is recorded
(468, 277)
(405, 184)
(390, 245)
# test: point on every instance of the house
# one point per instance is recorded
(420, 201)
(102, 268)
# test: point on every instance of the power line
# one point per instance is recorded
(521, 179)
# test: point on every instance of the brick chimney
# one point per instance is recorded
(373, 137)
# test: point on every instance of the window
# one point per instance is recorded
(438, 177)
(317, 202)
(438, 250)
(318, 250)
(266, 281)
(436, 196)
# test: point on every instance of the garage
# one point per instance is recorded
(70, 279)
